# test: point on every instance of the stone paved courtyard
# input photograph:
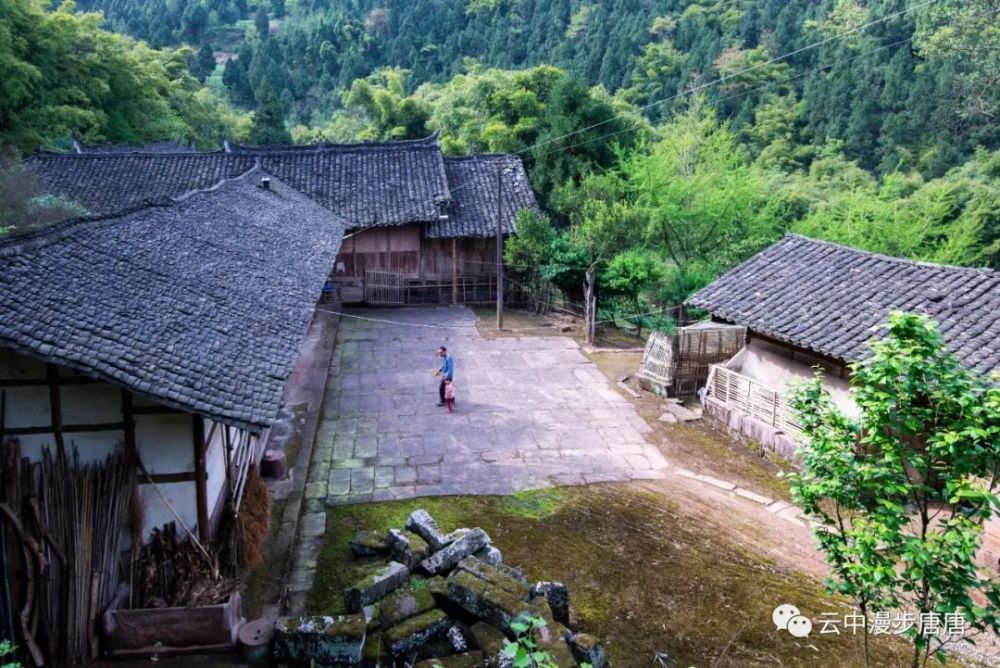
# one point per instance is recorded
(531, 412)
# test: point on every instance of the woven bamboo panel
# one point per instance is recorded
(763, 402)
(681, 362)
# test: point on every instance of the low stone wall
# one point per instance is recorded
(431, 599)
(744, 427)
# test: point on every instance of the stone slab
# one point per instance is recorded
(381, 390)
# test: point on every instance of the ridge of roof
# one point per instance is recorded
(482, 157)
(428, 142)
(34, 237)
(888, 258)
(105, 155)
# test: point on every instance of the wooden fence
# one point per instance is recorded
(763, 402)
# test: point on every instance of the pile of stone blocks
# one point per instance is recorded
(435, 600)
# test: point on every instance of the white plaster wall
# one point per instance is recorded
(778, 371)
(164, 442)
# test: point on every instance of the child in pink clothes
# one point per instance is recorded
(449, 395)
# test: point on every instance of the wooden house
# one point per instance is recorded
(422, 226)
(168, 329)
(808, 303)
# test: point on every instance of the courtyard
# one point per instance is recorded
(531, 412)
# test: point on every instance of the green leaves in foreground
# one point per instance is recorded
(902, 491)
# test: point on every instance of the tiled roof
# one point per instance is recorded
(387, 183)
(473, 184)
(833, 299)
(161, 147)
(199, 303)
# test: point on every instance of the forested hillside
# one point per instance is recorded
(908, 91)
(677, 137)
(60, 72)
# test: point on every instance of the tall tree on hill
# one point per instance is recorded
(205, 61)
(268, 125)
(262, 23)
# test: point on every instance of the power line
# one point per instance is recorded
(403, 323)
(744, 93)
(714, 82)
(745, 70)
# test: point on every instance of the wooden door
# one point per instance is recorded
(384, 288)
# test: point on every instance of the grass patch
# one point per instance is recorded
(643, 575)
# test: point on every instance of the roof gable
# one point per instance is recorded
(473, 184)
(833, 299)
(200, 303)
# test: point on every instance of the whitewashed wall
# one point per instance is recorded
(165, 443)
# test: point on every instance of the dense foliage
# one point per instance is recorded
(60, 72)
(916, 89)
(667, 140)
(902, 492)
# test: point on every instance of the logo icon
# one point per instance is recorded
(800, 626)
(787, 617)
(782, 614)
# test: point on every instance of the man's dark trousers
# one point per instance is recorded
(441, 390)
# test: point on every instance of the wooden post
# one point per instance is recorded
(55, 403)
(200, 477)
(499, 246)
(454, 270)
(128, 418)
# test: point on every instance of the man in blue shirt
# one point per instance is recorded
(446, 372)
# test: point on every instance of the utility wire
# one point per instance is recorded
(744, 93)
(741, 72)
(403, 323)
(714, 82)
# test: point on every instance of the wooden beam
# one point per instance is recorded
(454, 270)
(65, 429)
(55, 404)
(128, 416)
(201, 477)
(165, 478)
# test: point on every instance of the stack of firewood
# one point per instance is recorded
(60, 552)
(171, 572)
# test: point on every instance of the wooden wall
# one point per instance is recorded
(405, 250)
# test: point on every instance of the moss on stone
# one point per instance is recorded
(644, 575)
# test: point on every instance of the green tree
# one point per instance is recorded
(902, 492)
(699, 197)
(262, 23)
(952, 219)
(205, 61)
(60, 72)
(391, 114)
(268, 125)
(630, 274)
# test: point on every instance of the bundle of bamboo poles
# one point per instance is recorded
(63, 523)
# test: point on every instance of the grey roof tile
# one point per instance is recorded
(200, 302)
(473, 184)
(833, 299)
(383, 183)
